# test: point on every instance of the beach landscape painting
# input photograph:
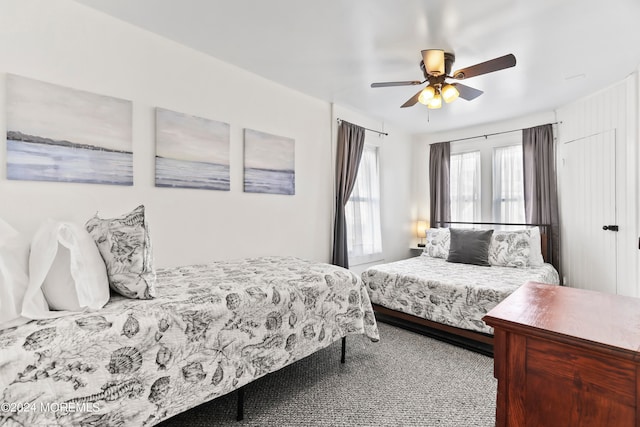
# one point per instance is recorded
(269, 163)
(55, 133)
(191, 152)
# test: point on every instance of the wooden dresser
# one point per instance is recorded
(566, 357)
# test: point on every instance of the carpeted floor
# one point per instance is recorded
(406, 379)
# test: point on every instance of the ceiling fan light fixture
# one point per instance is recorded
(450, 93)
(426, 95)
(436, 67)
(435, 102)
(434, 61)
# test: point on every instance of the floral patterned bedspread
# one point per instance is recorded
(212, 329)
(450, 293)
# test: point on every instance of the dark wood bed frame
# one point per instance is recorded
(471, 340)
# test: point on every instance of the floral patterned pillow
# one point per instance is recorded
(125, 246)
(437, 245)
(510, 248)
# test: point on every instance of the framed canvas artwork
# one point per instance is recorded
(55, 133)
(269, 163)
(191, 152)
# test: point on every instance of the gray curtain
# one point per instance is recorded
(540, 191)
(350, 147)
(439, 200)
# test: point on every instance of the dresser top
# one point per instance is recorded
(611, 321)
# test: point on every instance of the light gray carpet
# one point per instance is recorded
(406, 379)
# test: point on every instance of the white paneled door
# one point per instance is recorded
(588, 206)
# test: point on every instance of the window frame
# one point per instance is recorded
(476, 198)
(496, 206)
(375, 256)
(486, 144)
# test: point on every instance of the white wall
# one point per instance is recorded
(613, 108)
(72, 45)
(420, 150)
(395, 183)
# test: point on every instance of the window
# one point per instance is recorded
(487, 181)
(508, 185)
(465, 186)
(364, 241)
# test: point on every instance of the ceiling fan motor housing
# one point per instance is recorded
(449, 59)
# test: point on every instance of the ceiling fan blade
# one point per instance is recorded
(405, 83)
(467, 92)
(412, 101)
(490, 66)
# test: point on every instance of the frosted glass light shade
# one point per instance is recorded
(426, 95)
(433, 61)
(435, 102)
(450, 93)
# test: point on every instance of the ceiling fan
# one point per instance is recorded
(436, 66)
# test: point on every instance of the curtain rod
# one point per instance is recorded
(370, 130)
(495, 133)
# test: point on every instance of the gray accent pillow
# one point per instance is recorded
(125, 246)
(470, 246)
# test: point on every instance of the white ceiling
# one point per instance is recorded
(334, 49)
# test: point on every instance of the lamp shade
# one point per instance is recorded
(435, 102)
(433, 61)
(450, 93)
(426, 95)
(421, 228)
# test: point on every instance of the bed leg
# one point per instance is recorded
(240, 415)
(344, 347)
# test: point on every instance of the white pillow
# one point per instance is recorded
(66, 267)
(535, 248)
(14, 279)
(438, 242)
(510, 248)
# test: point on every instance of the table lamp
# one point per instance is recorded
(421, 231)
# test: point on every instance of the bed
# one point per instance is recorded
(447, 300)
(211, 330)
